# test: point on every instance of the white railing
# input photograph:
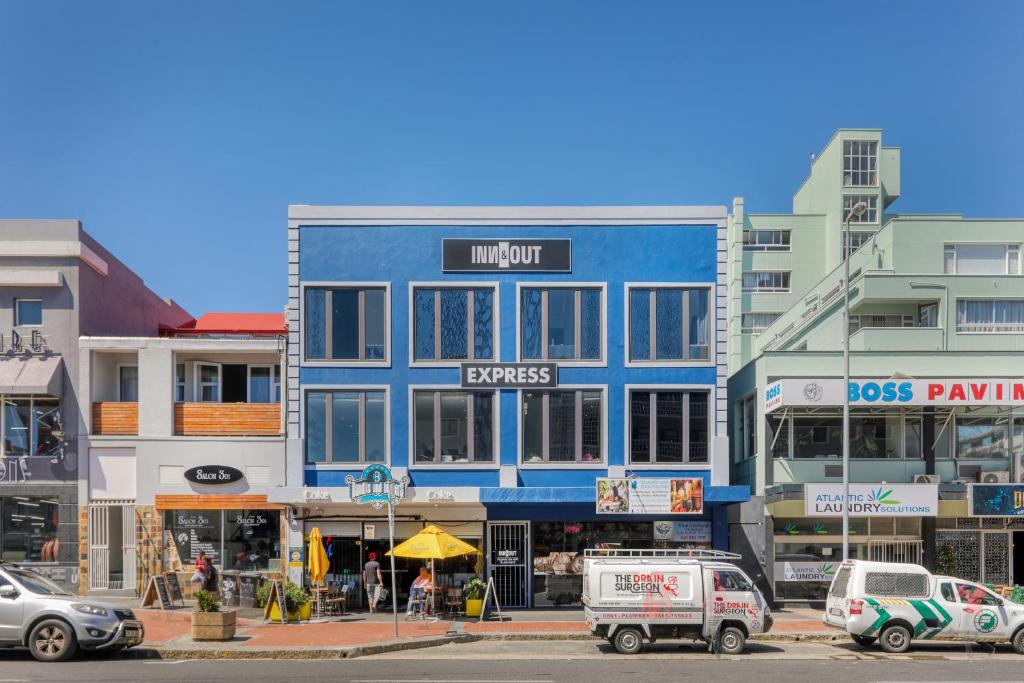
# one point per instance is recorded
(681, 553)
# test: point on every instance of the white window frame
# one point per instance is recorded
(183, 384)
(327, 465)
(774, 247)
(685, 363)
(628, 427)
(859, 155)
(565, 363)
(17, 316)
(575, 465)
(459, 466)
(993, 299)
(248, 381)
(752, 330)
(454, 284)
(773, 290)
(138, 381)
(865, 235)
(865, 218)
(345, 363)
(1011, 255)
(198, 383)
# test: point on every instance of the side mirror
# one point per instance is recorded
(8, 591)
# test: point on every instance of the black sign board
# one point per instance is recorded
(247, 585)
(156, 590)
(505, 557)
(477, 255)
(213, 474)
(174, 588)
(509, 375)
(229, 589)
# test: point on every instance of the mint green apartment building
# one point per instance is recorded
(937, 380)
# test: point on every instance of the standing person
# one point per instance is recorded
(373, 580)
(210, 576)
(198, 580)
(418, 591)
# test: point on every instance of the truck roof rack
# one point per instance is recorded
(673, 553)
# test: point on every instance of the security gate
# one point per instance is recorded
(112, 556)
(908, 552)
(99, 547)
(508, 562)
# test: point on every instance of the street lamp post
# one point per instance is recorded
(857, 210)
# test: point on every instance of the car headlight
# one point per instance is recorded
(90, 609)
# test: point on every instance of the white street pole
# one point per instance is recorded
(391, 537)
(857, 210)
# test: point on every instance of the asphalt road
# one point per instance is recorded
(556, 661)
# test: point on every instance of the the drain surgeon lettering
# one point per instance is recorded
(647, 584)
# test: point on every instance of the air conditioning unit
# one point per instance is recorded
(927, 479)
(1001, 477)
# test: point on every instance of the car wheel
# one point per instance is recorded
(863, 641)
(1018, 641)
(628, 641)
(52, 641)
(895, 639)
(732, 641)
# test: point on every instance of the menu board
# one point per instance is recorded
(247, 584)
(173, 587)
(195, 530)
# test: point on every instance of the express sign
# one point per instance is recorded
(898, 392)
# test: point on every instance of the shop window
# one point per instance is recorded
(28, 312)
(746, 418)
(452, 427)
(562, 323)
(128, 383)
(562, 426)
(31, 427)
(346, 426)
(28, 529)
(668, 427)
(982, 259)
(981, 437)
(453, 324)
(346, 324)
(669, 324)
(246, 540)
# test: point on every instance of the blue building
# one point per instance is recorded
(549, 379)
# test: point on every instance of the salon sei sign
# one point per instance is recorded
(476, 255)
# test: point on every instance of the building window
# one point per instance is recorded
(982, 437)
(243, 540)
(31, 427)
(982, 259)
(668, 427)
(562, 426)
(869, 216)
(669, 324)
(208, 381)
(928, 315)
(563, 323)
(766, 240)
(762, 281)
(28, 312)
(880, 321)
(346, 323)
(179, 382)
(346, 426)
(756, 323)
(28, 529)
(746, 417)
(453, 324)
(128, 383)
(989, 315)
(453, 427)
(860, 163)
(856, 238)
(261, 384)
(277, 384)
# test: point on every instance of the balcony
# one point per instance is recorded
(115, 418)
(897, 339)
(227, 419)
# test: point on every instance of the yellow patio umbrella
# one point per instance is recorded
(318, 562)
(433, 543)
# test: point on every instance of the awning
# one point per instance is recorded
(33, 375)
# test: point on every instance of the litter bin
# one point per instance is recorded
(229, 588)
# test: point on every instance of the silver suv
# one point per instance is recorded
(53, 623)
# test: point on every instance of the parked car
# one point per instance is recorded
(54, 624)
(636, 595)
(895, 604)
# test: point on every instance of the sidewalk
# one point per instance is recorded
(168, 633)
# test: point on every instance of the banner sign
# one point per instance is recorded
(376, 486)
(997, 500)
(509, 375)
(683, 532)
(822, 572)
(872, 500)
(639, 496)
(895, 392)
(213, 474)
(477, 255)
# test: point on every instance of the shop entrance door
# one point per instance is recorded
(508, 551)
(112, 559)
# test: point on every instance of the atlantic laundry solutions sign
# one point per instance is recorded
(872, 500)
(479, 255)
(896, 392)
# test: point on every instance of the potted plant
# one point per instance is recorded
(474, 594)
(296, 602)
(209, 622)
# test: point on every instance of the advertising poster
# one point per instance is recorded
(613, 496)
(821, 572)
(648, 496)
(997, 500)
(697, 533)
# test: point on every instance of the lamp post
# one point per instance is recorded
(857, 210)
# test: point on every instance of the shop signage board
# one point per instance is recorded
(997, 500)
(506, 255)
(872, 500)
(174, 588)
(650, 496)
(377, 487)
(821, 572)
(369, 532)
(509, 375)
(195, 530)
(214, 475)
(804, 392)
(296, 557)
(506, 557)
(683, 532)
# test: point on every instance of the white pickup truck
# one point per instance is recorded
(895, 604)
(635, 595)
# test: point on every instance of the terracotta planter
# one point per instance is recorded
(213, 625)
(473, 607)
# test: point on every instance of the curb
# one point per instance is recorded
(178, 653)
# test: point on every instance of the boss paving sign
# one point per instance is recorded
(474, 255)
(509, 375)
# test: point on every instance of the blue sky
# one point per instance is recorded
(179, 132)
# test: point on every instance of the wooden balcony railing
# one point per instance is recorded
(227, 419)
(115, 418)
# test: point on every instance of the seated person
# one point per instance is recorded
(417, 592)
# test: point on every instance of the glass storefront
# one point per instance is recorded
(28, 529)
(246, 540)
